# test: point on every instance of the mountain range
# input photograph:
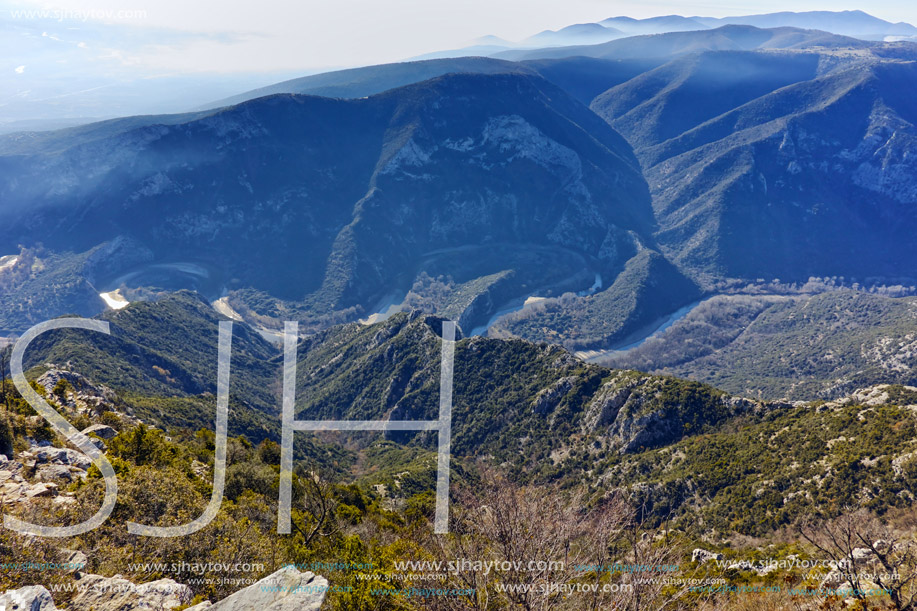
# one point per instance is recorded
(504, 389)
(678, 252)
(724, 38)
(745, 152)
(856, 24)
(64, 75)
(565, 198)
(350, 199)
(848, 23)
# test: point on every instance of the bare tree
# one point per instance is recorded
(649, 589)
(4, 368)
(857, 539)
(319, 504)
(554, 549)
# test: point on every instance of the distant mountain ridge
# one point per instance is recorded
(654, 25)
(370, 80)
(847, 23)
(582, 33)
(670, 44)
(856, 24)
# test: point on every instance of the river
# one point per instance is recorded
(638, 338)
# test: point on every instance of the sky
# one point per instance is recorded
(274, 36)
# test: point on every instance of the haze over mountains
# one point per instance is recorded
(60, 72)
(856, 24)
(350, 199)
(571, 194)
(629, 56)
(68, 74)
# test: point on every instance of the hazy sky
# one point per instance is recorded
(284, 35)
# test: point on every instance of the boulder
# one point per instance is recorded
(13, 492)
(65, 498)
(74, 560)
(99, 593)
(13, 467)
(862, 555)
(54, 473)
(61, 456)
(285, 590)
(41, 490)
(770, 568)
(702, 556)
(101, 430)
(29, 598)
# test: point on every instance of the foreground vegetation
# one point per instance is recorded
(586, 470)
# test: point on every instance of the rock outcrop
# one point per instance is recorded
(702, 556)
(51, 467)
(82, 394)
(101, 430)
(99, 593)
(29, 598)
(285, 590)
(549, 398)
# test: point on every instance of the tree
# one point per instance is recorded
(5, 392)
(857, 539)
(548, 541)
(319, 504)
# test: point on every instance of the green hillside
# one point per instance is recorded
(798, 347)
(648, 288)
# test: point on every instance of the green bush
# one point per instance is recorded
(6, 436)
